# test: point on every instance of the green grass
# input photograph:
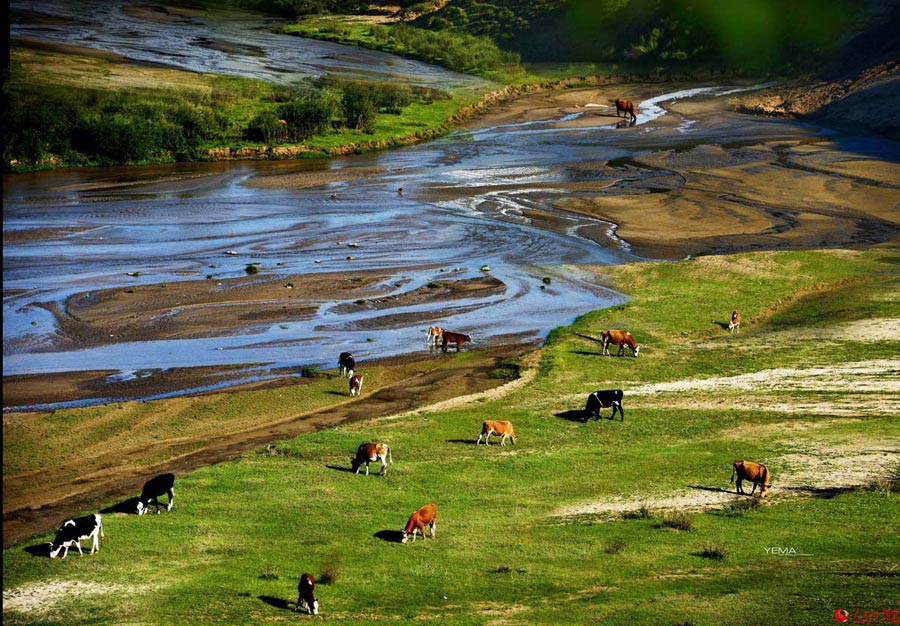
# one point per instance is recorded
(241, 533)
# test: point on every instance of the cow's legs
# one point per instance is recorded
(95, 547)
(503, 439)
(738, 484)
(754, 488)
(171, 499)
(383, 466)
(432, 530)
(78, 545)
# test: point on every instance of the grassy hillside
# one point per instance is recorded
(616, 522)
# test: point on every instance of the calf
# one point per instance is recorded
(755, 472)
(435, 334)
(305, 597)
(603, 400)
(734, 326)
(619, 338)
(458, 338)
(423, 517)
(346, 364)
(153, 489)
(355, 384)
(73, 531)
(500, 427)
(369, 453)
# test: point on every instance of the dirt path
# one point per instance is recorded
(91, 483)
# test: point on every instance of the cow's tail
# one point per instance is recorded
(390, 456)
(100, 524)
(765, 477)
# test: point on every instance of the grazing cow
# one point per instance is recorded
(73, 531)
(369, 453)
(355, 384)
(627, 106)
(755, 472)
(734, 326)
(305, 597)
(499, 427)
(423, 517)
(603, 400)
(448, 337)
(619, 338)
(347, 364)
(435, 334)
(153, 489)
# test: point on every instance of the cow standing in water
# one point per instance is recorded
(458, 338)
(435, 335)
(627, 106)
(734, 326)
(619, 338)
(305, 596)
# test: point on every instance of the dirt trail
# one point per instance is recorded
(91, 484)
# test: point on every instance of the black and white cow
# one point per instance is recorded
(73, 531)
(604, 399)
(346, 364)
(153, 489)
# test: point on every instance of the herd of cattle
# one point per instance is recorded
(90, 527)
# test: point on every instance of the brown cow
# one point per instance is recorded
(499, 427)
(423, 517)
(619, 338)
(369, 453)
(734, 326)
(305, 597)
(458, 338)
(356, 382)
(625, 105)
(756, 472)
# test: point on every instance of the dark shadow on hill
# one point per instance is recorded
(466, 441)
(586, 353)
(39, 549)
(713, 489)
(574, 415)
(125, 506)
(340, 468)
(391, 536)
(278, 603)
(722, 325)
(589, 337)
(826, 493)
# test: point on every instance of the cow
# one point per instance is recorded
(748, 470)
(73, 531)
(421, 518)
(369, 453)
(604, 399)
(627, 106)
(499, 427)
(619, 338)
(305, 597)
(448, 337)
(346, 364)
(153, 489)
(356, 382)
(435, 334)
(734, 326)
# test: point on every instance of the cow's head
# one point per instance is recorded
(405, 537)
(637, 350)
(141, 507)
(54, 549)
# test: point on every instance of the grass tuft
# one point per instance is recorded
(714, 551)
(330, 569)
(615, 546)
(679, 520)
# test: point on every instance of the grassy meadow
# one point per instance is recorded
(614, 522)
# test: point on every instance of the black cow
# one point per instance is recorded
(347, 364)
(73, 531)
(604, 399)
(305, 596)
(153, 489)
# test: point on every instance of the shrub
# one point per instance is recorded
(679, 520)
(741, 506)
(309, 371)
(330, 569)
(642, 513)
(251, 268)
(615, 546)
(713, 551)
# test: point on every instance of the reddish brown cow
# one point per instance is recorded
(734, 326)
(499, 427)
(423, 517)
(369, 453)
(356, 382)
(627, 106)
(755, 472)
(619, 338)
(458, 338)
